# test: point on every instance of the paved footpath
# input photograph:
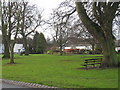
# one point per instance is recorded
(19, 84)
(5, 85)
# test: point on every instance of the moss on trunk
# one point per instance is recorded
(110, 56)
(25, 46)
(12, 55)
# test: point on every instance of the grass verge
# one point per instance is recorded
(59, 71)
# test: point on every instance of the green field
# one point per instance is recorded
(59, 71)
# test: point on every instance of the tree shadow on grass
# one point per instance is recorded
(11, 64)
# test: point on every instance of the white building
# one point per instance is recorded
(117, 49)
(117, 42)
(1, 45)
(1, 49)
(17, 48)
(80, 47)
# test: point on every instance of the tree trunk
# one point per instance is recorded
(12, 55)
(6, 49)
(23, 33)
(93, 49)
(102, 33)
(6, 52)
(109, 54)
(25, 46)
(5, 42)
(61, 53)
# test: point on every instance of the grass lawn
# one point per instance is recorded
(59, 71)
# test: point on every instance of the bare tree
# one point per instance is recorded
(116, 26)
(10, 25)
(4, 21)
(31, 19)
(98, 18)
(60, 23)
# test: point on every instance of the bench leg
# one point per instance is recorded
(93, 65)
(86, 67)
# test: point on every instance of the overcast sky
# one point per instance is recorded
(47, 5)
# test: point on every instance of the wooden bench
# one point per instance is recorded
(92, 62)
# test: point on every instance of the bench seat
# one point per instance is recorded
(92, 62)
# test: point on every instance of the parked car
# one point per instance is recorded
(118, 52)
(22, 51)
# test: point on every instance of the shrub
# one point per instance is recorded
(49, 52)
(118, 52)
(85, 51)
(98, 49)
(82, 51)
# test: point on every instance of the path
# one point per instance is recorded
(5, 85)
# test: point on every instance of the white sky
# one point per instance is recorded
(47, 5)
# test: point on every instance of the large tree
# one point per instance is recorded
(39, 43)
(60, 23)
(10, 26)
(35, 42)
(99, 25)
(31, 19)
(4, 21)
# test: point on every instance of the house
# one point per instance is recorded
(75, 45)
(1, 45)
(117, 43)
(0, 48)
(76, 49)
(73, 51)
(17, 47)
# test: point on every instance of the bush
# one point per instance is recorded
(82, 51)
(49, 52)
(98, 51)
(118, 52)
(118, 60)
(89, 51)
(85, 51)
